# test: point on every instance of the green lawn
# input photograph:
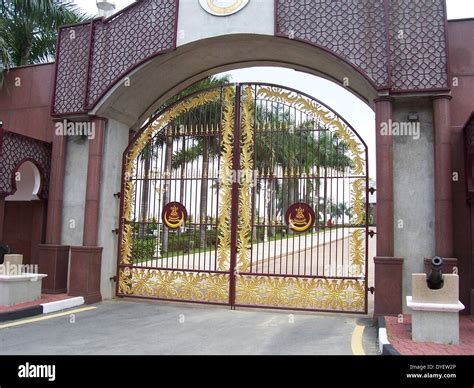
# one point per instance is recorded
(144, 247)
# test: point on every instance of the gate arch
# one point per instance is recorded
(236, 160)
(147, 86)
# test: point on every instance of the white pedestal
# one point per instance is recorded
(435, 313)
(435, 322)
(22, 288)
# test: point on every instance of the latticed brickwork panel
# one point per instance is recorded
(418, 44)
(356, 31)
(16, 148)
(118, 45)
(128, 39)
(72, 63)
(352, 29)
(365, 33)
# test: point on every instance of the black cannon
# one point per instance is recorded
(4, 250)
(435, 279)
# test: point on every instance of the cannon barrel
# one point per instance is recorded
(435, 279)
(4, 250)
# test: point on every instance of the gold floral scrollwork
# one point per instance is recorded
(308, 293)
(355, 295)
(142, 282)
(358, 203)
(346, 135)
(357, 251)
(304, 292)
(226, 177)
(127, 230)
(334, 292)
(164, 285)
(246, 181)
(192, 286)
(125, 281)
(247, 290)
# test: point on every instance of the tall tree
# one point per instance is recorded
(145, 157)
(5, 58)
(205, 147)
(29, 28)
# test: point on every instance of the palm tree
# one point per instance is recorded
(4, 49)
(205, 147)
(146, 157)
(338, 210)
(30, 28)
(272, 152)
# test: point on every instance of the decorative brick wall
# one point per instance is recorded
(398, 45)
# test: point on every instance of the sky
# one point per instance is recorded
(355, 111)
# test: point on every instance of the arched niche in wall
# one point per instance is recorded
(28, 183)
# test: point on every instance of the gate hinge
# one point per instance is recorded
(117, 194)
(371, 233)
(372, 190)
(371, 290)
(114, 278)
(116, 231)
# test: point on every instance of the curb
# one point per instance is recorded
(385, 348)
(44, 308)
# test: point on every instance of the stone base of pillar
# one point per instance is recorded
(388, 286)
(53, 260)
(84, 277)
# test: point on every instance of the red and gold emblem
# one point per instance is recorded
(174, 215)
(300, 217)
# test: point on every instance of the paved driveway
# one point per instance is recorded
(141, 327)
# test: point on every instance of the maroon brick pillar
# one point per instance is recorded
(38, 229)
(94, 172)
(388, 286)
(384, 152)
(56, 187)
(2, 216)
(54, 261)
(86, 260)
(85, 273)
(53, 258)
(388, 269)
(443, 177)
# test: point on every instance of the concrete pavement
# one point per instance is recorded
(142, 327)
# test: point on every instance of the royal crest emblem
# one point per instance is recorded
(300, 217)
(174, 215)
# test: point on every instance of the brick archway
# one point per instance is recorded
(124, 67)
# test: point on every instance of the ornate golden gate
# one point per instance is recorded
(246, 195)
